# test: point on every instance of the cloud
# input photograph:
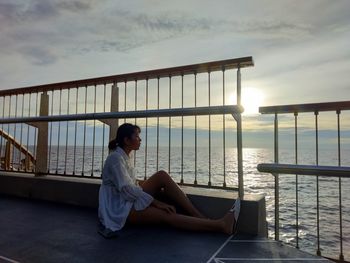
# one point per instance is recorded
(74, 6)
(39, 55)
(15, 13)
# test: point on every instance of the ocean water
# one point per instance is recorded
(84, 160)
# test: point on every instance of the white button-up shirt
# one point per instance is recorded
(119, 191)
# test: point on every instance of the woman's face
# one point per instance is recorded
(134, 141)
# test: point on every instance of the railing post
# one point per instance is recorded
(239, 138)
(113, 123)
(114, 108)
(8, 155)
(277, 215)
(43, 137)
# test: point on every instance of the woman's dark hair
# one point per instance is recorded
(124, 130)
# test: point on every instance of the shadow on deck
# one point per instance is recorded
(43, 231)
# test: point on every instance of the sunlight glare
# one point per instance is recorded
(252, 98)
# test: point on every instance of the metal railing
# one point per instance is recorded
(317, 170)
(69, 118)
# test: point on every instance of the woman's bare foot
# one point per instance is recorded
(228, 222)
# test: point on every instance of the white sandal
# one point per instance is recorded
(236, 208)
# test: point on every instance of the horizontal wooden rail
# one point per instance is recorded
(213, 110)
(329, 171)
(310, 107)
(143, 75)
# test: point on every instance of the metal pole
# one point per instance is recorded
(276, 154)
(58, 135)
(341, 255)
(75, 129)
(8, 131)
(103, 135)
(195, 128)
(27, 153)
(182, 130)
(21, 137)
(146, 136)
(169, 154)
(239, 138)
(317, 189)
(224, 126)
(296, 181)
(209, 183)
(65, 157)
(94, 130)
(2, 125)
(14, 136)
(157, 124)
(35, 129)
(49, 161)
(125, 86)
(135, 118)
(83, 168)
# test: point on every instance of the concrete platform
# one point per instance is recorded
(42, 231)
(213, 203)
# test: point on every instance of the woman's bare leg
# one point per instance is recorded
(162, 179)
(153, 215)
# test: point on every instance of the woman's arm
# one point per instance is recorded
(136, 194)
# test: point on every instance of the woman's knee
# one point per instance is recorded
(164, 176)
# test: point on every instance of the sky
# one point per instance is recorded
(300, 49)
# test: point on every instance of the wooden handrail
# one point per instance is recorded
(142, 75)
(309, 107)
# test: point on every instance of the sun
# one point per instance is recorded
(252, 98)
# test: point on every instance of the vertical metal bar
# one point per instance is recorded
(169, 154)
(2, 125)
(341, 255)
(209, 183)
(65, 157)
(135, 118)
(21, 137)
(14, 136)
(8, 131)
(83, 168)
(8, 126)
(125, 86)
(157, 124)
(93, 141)
(103, 125)
(58, 135)
(75, 130)
(51, 123)
(36, 114)
(224, 126)
(27, 152)
(239, 87)
(182, 129)
(318, 252)
(146, 136)
(239, 138)
(195, 128)
(85, 110)
(277, 204)
(296, 180)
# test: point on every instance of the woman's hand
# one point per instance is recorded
(164, 206)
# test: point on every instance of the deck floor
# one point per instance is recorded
(39, 231)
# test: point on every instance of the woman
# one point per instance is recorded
(122, 199)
